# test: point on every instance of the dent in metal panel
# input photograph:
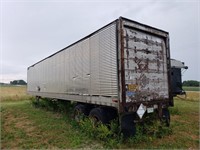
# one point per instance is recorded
(78, 74)
(145, 66)
(85, 54)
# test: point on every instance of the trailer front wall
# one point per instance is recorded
(85, 71)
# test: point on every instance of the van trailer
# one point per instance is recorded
(120, 71)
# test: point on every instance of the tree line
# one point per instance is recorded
(18, 82)
(191, 83)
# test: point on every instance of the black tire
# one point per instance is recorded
(80, 111)
(110, 114)
(166, 117)
(128, 127)
(98, 115)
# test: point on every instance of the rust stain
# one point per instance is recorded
(123, 96)
(144, 64)
(145, 41)
(127, 51)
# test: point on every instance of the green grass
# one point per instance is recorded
(188, 88)
(23, 126)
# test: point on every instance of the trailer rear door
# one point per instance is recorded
(145, 63)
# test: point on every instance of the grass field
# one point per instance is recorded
(13, 93)
(187, 88)
(25, 127)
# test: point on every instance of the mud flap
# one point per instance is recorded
(128, 128)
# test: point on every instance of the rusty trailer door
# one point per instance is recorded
(144, 63)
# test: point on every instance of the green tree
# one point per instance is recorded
(191, 83)
(18, 82)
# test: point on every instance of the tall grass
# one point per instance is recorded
(190, 96)
(13, 93)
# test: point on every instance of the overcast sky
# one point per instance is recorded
(34, 29)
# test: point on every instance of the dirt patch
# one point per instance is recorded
(9, 119)
(26, 125)
(18, 121)
(175, 117)
(16, 127)
(188, 134)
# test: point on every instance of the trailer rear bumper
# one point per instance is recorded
(140, 108)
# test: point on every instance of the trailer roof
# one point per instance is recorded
(96, 32)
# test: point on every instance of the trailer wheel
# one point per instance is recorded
(80, 111)
(128, 127)
(98, 115)
(110, 114)
(166, 117)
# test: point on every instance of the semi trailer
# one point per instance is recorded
(120, 71)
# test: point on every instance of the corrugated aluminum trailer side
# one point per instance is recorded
(85, 71)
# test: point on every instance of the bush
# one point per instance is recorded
(108, 134)
(150, 131)
(62, 106)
